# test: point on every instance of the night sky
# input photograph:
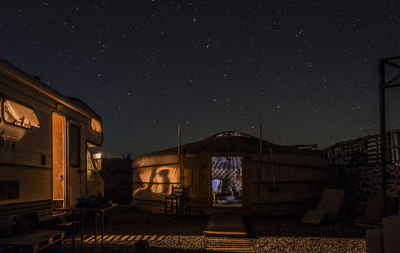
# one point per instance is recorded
(307, 69)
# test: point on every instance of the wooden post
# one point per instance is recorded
(272, 169)
(382, 112)
(261, 140)
(179, 154)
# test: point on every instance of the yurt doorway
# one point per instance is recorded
(226, 180)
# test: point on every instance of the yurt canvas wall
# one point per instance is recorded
(299, 176)
(284, 183)
(153, 177)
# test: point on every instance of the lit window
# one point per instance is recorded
(96, 125)
(19, 115)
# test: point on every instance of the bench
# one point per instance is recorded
(175, 201)
(34, 241)
(7, 249)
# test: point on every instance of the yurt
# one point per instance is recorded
(231, 171)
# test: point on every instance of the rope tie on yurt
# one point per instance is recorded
(274, 188)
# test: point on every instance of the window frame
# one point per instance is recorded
(23, 104)
(101, 125)
(5, 184)
(78, 128)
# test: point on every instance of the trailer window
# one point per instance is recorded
(9, 190)
(74, 146)
(96, 125)
(19, 115)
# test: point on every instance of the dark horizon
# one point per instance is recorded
(307, 70)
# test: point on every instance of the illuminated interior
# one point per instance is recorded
(226, 181)
(93, 159)
(95, 183)
(59, 134)
(20, 115)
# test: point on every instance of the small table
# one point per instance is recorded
(96, 211)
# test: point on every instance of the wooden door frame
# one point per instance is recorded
(210, 156)
(65, 136)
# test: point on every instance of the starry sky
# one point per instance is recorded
(306, 69)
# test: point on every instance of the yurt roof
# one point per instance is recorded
(226, 142)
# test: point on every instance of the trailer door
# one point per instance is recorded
(59, 159)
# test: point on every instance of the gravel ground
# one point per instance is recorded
(308, 244)
(289, 235)
(182, 232)
(185, 233)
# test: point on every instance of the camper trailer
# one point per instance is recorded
(45, 143)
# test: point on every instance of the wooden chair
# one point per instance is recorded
(175, 201)
(66, 225)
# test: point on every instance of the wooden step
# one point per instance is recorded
(228, 245)
(225, 225)
(368, 223)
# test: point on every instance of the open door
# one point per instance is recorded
(226, 181)
(59, 159)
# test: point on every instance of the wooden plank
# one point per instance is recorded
(229, 245)
(131, 238)
(31, 238)
(231, 249)
(109, 238)
(226, 225)
(225, 233)
(7, 248)
(97, 238)
(160, 238)
(116, 238)
(36, 240)
(235, 240)
(89, 238)
(124, 238)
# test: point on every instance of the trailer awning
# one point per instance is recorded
(20, 115)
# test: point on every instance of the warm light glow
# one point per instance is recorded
(96, 125)
(93, 161)
(97, 156)
(20, 115)
(156, 181)
(59, 159)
